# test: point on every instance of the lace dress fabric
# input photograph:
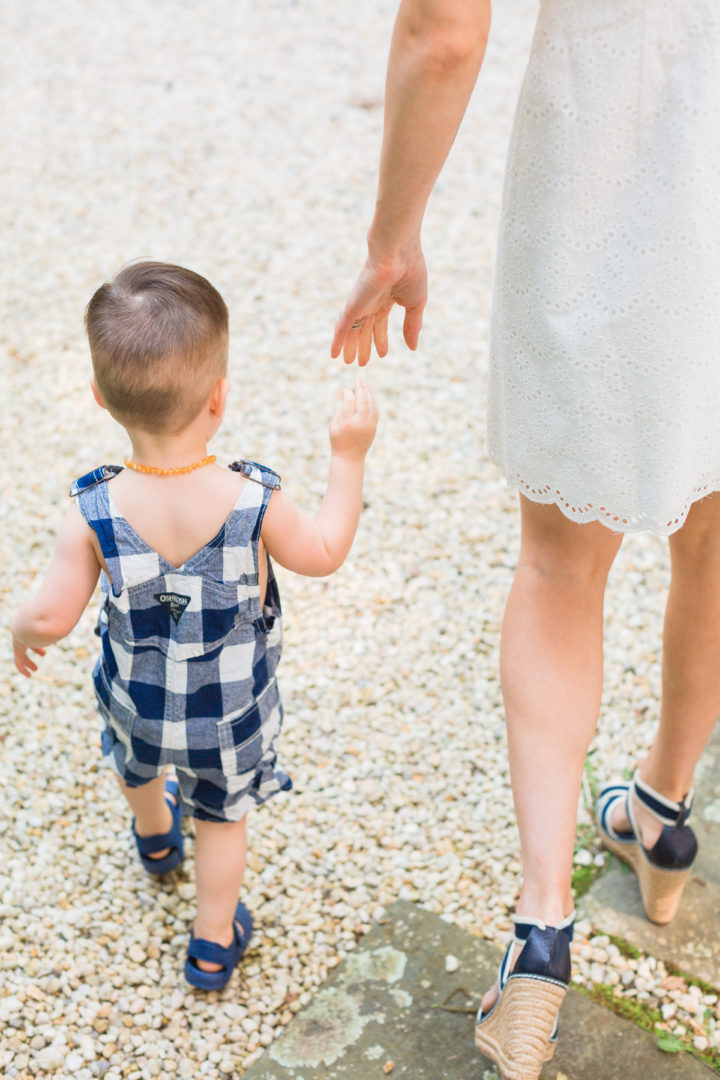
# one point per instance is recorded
(605, 340)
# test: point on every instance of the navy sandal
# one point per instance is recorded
(210, 951)
(520, 1031)
(148, 845)
(663, 869)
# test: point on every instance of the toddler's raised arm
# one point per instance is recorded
(63, 595)
(318, 545)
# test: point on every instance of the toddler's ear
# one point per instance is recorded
(218, 397)
(96, 394)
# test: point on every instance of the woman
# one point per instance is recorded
(604, 405)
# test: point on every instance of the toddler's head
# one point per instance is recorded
(159, 342)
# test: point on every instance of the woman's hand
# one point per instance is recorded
(400, 281)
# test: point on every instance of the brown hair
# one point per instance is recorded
(158, 339)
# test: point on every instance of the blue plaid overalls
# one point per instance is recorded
(186, 676)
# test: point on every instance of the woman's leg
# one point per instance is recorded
(220, 857)
(551, 671)
(691, 671)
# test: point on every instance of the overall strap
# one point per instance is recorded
(94, 505)
(268, 480)
(91, 479)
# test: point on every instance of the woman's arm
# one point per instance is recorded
(435, 56)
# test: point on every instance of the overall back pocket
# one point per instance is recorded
(246, 736)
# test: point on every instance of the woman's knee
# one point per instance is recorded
(554, 547)
(696, 545)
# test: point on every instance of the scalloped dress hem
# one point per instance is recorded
(584, 513)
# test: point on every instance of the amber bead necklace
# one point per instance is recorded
(155, 471)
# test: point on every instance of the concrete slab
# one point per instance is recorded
(379, 1016)
(691, 942)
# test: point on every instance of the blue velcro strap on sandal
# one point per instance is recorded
(212, 953)
(173, 839)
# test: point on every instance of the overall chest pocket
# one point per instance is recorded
(247, 736)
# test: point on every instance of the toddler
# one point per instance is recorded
(190, 616)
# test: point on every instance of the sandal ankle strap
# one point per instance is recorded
(664, 810)
(524, 924)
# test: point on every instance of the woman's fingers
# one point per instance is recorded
(342, 326)
(350, 346)
(346, 330)
(358, 341)
(364, 318)
(365, 337)
(380, 331)
(413, 325)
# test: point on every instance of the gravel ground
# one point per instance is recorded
(242, 141)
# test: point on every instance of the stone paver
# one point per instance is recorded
(378, 1016)
(690, 942)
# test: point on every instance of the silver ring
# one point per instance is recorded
(357, 324)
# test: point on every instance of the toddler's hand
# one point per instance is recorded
(352, 428)
(22, 661)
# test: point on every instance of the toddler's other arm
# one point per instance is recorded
(63, 594)
(318, 545)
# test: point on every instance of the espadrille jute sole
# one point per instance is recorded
(660, 889)
(516, 1034)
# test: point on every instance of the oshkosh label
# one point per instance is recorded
(174, 603)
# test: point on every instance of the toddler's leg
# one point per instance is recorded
(220, 857)
(152, 813)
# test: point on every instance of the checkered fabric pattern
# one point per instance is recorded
(186, 676)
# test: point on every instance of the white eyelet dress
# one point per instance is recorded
(605, 341)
